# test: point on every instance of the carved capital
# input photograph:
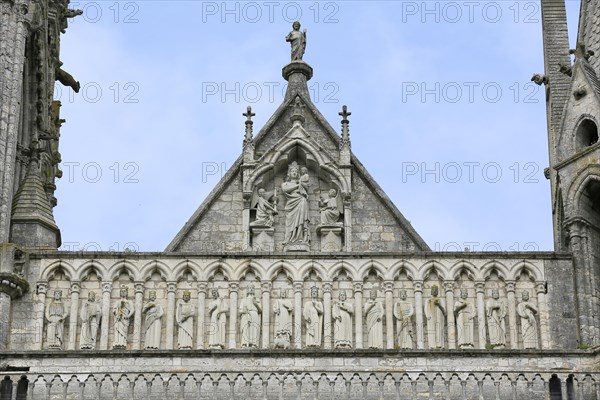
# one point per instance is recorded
(106, 287)
(388, 286)
(327, 286)
(139, 287)
(266, 286)
(448, 286)
(75, 287)
(418, 285)
(171, 287)
(247, 198)
(540, 287)
(234, 287)
(358, 287)
(202, 286)
(298, 286)
(479, 287)
(347, 198)
(577, 228)
(510, 286)
(42, 288)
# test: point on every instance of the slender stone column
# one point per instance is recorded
(577, 245)
(266, 313)
(480, 288)
(327, 336)
(358, 314)
(540, 288)
(563, 388)
(418, 285)
(233, 312)
(42, 288)
(449, 288)
(298, 286)
(106, 291)
(389, 314)
(5, 305)
(246, 217)
(512, 316)
(201, 314)
(137, 317)
(13, 34)
(591, 279)
(73, 315)
(170, 338)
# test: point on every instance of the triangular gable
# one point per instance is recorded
(584, 97)
(371, 223)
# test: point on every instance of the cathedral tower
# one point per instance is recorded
(30, 119)
(29, 134)
(573, 109)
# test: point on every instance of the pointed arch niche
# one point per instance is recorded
(271, 172)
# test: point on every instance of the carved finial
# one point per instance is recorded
(345, 129)
(298, 113)
(581, 52)
(539, 79)
(248, 136)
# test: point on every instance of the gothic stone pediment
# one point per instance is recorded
(297, 134)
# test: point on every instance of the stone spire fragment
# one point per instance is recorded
(248, 138)
(33, 224)
(345, 145)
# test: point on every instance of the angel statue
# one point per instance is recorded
(298, 40)
(330, 205)
(265, 209)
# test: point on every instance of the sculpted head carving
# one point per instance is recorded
(293, 171)
(463, 293)
(57, 295)
(314, 292)
(434, 291)
(123, 292)
(261, 192)
(186, 295)
(251, 291)
(525, 295)
(215, 294)
(373, 294)
(495, 294)
(283, 293)
(403, 294)
(92, 296)
(296, 25)
(332, 193)
(342, 295)
(152, 295)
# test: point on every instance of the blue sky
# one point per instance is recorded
(443, 112)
